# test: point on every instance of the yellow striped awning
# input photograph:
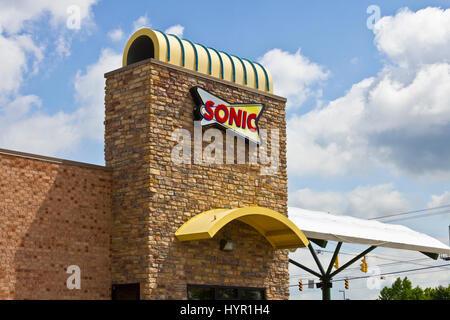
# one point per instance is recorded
(149, 43)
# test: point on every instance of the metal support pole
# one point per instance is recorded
(316, 259)
(327, 277)
(326, 290)
(359, 256)
(333, 259)
(305, 268)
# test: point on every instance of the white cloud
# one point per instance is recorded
(20, 54)
(176, 30)
(363, 201)
(116, 34)
(322, 141)
(414, 38)
(19, 107)
(24, 124)
(294, 76)
(399, 119)
(328, 201)
(439, 200)
(15, 14)
(354, 60)
(89, 93)
(141, 22)
(17, 54)
(19, 50)
(25, 128)
(63, 46)
(41, 133)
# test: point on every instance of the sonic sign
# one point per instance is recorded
(239, 117)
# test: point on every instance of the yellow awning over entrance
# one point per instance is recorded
(279, 231)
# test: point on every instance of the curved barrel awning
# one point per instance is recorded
(147, 43)
(279, 231)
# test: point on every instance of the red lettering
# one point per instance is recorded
(244, 120)
(224, 118)
(222, 114)
(249, 122)
(209, 114)
(235, 117)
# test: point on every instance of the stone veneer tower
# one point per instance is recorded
(152, 197)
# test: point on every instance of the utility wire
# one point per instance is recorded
(390, 275)
(394, 272)
(382, 256)
(396, 262)
(419, 216)
(444, 269)
(400, 262)
(386, 273)
(414, 261)
(410, 212)
(365, 277)
(416, 282)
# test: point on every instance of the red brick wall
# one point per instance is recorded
(53, 214)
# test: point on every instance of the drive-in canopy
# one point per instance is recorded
(283, 232)
(304, 226)
(325, 226)
(321, 227)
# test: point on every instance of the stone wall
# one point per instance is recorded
(152, 197)
(53, 214)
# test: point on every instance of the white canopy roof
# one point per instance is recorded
(325, 226)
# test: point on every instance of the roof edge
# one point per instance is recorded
(32, 156)
(197, 74)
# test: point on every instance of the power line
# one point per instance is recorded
(390, 275)
(413, 261)
(410, 212)
(387, 273)
(427, 281)
(394, 272)
(400, 262)
(419, 216)
(378, 265)
(443, 267)
(423, 272)
(382, 256)
(396, 261)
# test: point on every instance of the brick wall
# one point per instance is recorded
(152, 197)
(53, 213)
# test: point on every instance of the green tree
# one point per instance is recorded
(403, 290)
(439, 293)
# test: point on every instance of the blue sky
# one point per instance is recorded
(368, 113)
